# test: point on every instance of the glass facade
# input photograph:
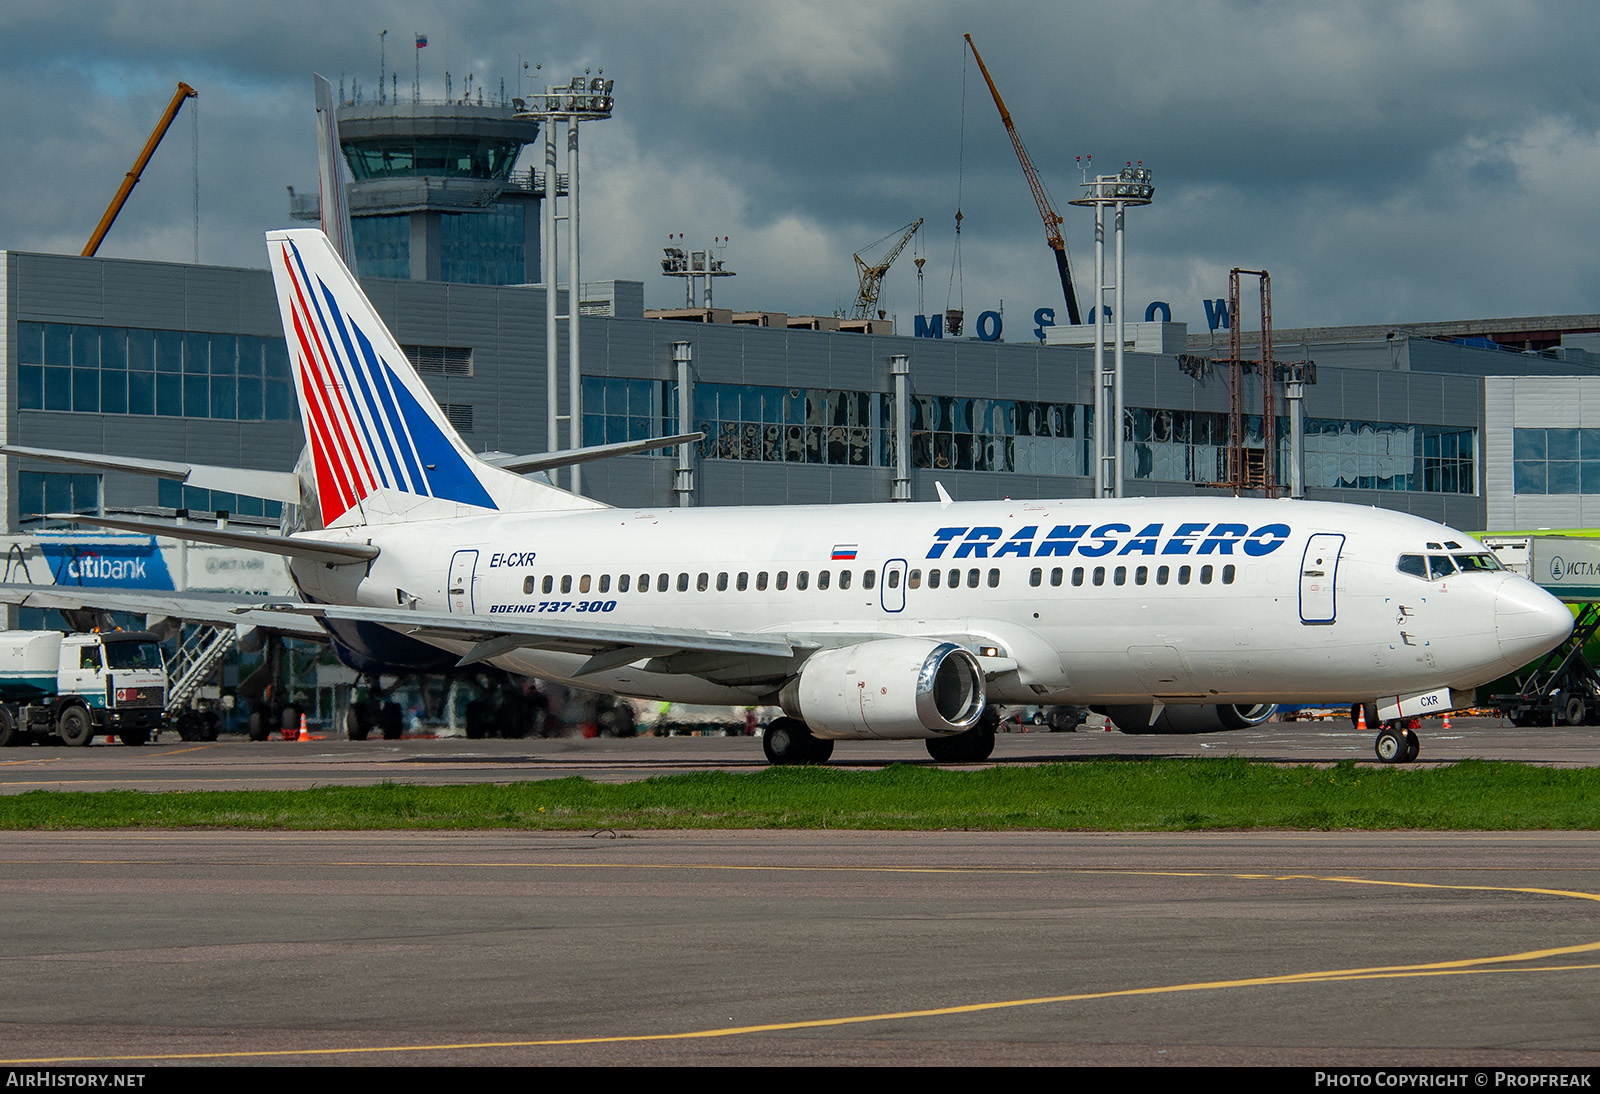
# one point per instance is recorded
(855, 428)
(383, 245)
(487, 248)
(42, 492)
(128, 370)
(175, 495)
(1556, 461)
(408, 156)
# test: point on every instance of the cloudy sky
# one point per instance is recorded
(1386, 161)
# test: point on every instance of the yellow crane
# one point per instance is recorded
(1052, 219)
(871, 274)
(132, 178)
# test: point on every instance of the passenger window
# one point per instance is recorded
(1035, 577)
(933, 578)
(914, 578)
(1183, 575)
(994, 579)
(1099, 575)
(1121, 576)
(1162, 573)
(605, 583)
(972, 579)
(683, 583)
(663, 581)
(583, 583)
(952, 580)
(1056, 576)
(622, 583)
(744, 581)
(527, 585)
(802, 579)
(1077, 575)
(1227, 575)
(869, 579)
(722, 582)
(702, 583)
(844, 579)
(549, 583)
(1205, 575)
(894, 579)
(783, 580)
(761, 582)
(824, 578)
(1141, 576)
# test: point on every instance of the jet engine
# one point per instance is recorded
(896, 688)
(1190, 719)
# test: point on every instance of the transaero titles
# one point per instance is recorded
(1199, 538)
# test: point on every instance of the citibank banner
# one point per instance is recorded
(123, 563)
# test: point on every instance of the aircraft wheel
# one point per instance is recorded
(790, 741)
(973, 746)
(74, 728)
(355, 727)
(1390, 746)
(1413, 746)
(390, 719)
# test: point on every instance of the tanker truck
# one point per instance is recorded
(73, 687)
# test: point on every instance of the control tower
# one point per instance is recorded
(435, 194)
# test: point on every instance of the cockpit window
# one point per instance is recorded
(1440, 566)
(1415, 565)
(1477, 563)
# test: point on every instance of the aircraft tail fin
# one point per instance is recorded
(381, 448)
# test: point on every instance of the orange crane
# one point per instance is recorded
(1052, 219)
(132, 179)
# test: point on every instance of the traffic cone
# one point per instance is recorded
(1361, 717)
(1447, 721)
(304, 736)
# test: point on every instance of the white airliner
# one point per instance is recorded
(901, 621)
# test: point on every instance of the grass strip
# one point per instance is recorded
(1101, 795)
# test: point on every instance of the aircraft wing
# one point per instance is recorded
(608, 645)
(218, 609)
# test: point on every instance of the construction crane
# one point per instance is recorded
(1052, 219)
(132, 179)
(872, 275)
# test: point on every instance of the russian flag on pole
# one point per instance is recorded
(422, 40)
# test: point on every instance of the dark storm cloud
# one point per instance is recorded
(1387, 161)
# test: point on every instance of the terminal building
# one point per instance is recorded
(1479, 424)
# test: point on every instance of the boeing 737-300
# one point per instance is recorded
(894, 620)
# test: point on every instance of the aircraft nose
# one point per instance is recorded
(1528, 621)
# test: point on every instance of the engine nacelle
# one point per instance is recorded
(1190, 719)
(896, 688)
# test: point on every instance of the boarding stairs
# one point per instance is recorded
(198, 654)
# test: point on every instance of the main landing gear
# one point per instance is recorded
(790, 741)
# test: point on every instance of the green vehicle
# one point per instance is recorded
(74, 687)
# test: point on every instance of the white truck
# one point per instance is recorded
(73, 687)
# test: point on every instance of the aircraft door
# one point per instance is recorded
(463, 578)
(892, 586)
(1319, 568)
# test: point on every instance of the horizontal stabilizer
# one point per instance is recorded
(546, 461)
(314, 550)
(274, 485)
